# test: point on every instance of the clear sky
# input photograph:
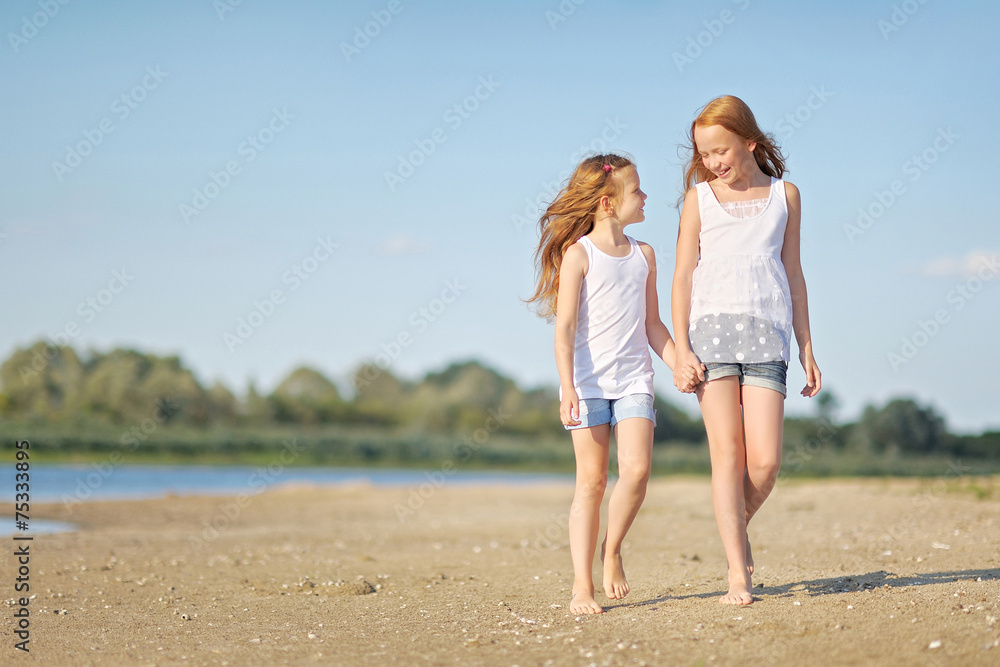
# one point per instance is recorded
(341, 176)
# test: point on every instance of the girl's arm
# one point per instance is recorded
(656, 330)
(680, 294)
(790, 258)
(571, 273)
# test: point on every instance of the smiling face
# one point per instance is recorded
(725, 154)
(630, 204)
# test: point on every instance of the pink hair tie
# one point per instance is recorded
(607, 168)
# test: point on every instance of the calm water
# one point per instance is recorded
(92, 481)
(86, 482)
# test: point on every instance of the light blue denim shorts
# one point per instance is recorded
(767, 374)
(597, 411)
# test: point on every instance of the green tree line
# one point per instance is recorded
(48, 384)
(124, 386)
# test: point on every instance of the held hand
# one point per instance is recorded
(688, 380)
(569, 408)
(814, 380)
(693, 384)
(689, 372)
(695, 375)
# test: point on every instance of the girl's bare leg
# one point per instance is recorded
(635, 450)
(590, 446)
(763, 421)
(720, 409)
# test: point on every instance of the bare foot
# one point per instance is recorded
(740, 588)
(584, 603)
(749, 557)
(615, 585)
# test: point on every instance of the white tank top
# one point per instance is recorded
(612, 352)
(741, 308)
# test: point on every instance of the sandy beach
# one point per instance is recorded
(897, 572)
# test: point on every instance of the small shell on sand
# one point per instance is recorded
(353, 588)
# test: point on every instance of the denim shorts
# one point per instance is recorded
(767, 374)
(597, 411)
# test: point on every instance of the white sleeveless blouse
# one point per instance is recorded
(611, 357)
(741, 308)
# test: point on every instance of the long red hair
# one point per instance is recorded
(569, 217)
(733, 114)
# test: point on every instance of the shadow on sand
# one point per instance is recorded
(835, 585)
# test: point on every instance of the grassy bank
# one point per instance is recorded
(377, 448)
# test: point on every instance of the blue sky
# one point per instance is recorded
(375, 193)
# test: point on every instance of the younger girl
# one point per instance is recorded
(738, 295)
(601, 286)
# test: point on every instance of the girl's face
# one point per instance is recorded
(632, 199)
(726, 154)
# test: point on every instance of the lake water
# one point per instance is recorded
(69, 483)
(85, 482)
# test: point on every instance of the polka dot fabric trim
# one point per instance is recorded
(727, 338)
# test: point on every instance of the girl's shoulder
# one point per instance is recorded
(647, 252)
(692, 194)
(791, 192)
(576, 256)
(578, 247)
(690, 208)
